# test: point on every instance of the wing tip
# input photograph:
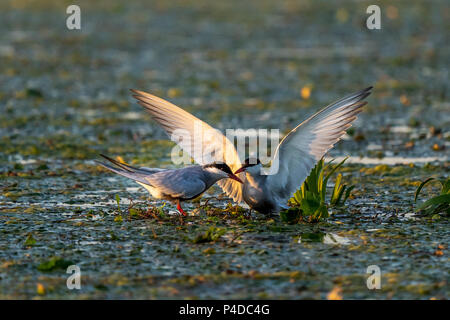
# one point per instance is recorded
(138, 92)
(358, 105)
(121, 165)
(106, 157)
(142, 96)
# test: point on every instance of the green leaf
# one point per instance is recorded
(32, 92)
(291, 215)
(347, 193)
(337, 190)
(30, 241)
(298, 197)
(310, 198)
(310, 204)
(339, 195)
(420, 188)
(445, 186)
(321, 212)
(312, 237)
(436, 217)
(210, 235)
(438, 200)
(334, 169)
(133, 212)
(54, 264)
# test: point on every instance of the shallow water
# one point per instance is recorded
(64, 99)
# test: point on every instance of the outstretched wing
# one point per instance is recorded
(301, 148)
(198, 139)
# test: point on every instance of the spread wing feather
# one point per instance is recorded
(301, 148)
(198, 139)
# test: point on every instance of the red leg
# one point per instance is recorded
(180, 208)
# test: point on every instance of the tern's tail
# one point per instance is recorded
(137, 174)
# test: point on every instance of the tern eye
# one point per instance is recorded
(226, 169)
(223, 167)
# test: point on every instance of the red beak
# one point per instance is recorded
(240, 170)
(234, 177)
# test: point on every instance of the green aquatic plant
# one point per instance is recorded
(310, 200)
(118, 202)
(156, 212)
(438, 204)
(30, 241)
(210, 235)
(341, 192)
(291, 215)
(54, 263)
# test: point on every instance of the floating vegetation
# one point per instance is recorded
(30, 241)
(54, 263)
(56, 202)
(151, 212)
(212, 234)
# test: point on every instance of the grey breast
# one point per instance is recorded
(258, 197)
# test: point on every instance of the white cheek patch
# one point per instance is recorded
(215, 171)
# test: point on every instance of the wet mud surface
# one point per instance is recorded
(259, 64)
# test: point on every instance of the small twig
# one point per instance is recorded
(151, 213)
(131, 205)
(207, 201)
(180, 217)
(154, 234)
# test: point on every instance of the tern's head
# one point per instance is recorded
(252, 165)
(221, 170)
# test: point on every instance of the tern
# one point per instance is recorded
(296, 155)
(174, 184)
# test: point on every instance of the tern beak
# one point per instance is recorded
(234, 177)
(240, 170)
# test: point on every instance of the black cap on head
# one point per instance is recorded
(219, 165)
